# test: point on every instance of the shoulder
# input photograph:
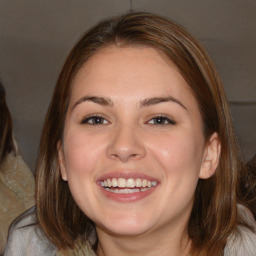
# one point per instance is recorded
(14, 164)
(14, 170)
(18, 178)
(241, 244)
(26, 238)
(243, 241)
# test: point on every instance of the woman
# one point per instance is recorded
(138, 154)
(16, 180)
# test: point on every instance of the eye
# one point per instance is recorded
(161, 120)
(94, 120)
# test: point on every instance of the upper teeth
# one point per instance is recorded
(128, 183)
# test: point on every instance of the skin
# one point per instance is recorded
(127, 142)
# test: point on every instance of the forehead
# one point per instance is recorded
(116, 71)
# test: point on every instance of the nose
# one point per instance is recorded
(126, 144)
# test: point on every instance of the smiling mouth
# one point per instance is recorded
(127, 186)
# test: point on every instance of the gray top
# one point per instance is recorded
(27, 239)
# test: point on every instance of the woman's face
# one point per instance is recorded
(133, 148)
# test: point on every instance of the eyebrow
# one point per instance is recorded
(144, 103)
(156, 100)
(98, 100)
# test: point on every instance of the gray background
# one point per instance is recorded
(36, 36)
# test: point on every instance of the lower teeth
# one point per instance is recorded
(126, 190)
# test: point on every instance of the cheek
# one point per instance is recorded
(81, 153)
(81, 157)
(179, 158)
(179, 154)
(177, 149)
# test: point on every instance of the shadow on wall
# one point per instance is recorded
(27, 133)
(244, 119)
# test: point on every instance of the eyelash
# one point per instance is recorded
(94, 120)
(161, 118)
(99, 120)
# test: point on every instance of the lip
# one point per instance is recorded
(130, 197)
(126, 175)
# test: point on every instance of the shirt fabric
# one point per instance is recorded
(16, 192)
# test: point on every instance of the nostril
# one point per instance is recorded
(124, 157)
(114, 156)
(125, 146)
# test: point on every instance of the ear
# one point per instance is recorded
(211, 157)
(61, 161)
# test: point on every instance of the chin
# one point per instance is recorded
(125, 227)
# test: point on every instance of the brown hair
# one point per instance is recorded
(214, 214)
(6, 141)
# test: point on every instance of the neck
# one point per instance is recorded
(173, 244)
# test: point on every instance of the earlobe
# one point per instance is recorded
(211, 157)
(61, 161)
